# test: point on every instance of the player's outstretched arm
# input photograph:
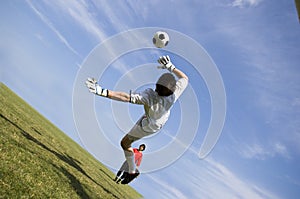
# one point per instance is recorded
(180, 74)
(119, 96)
(95, 88)
(166, 63)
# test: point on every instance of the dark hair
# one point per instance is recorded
(142, 145)
(165, 85)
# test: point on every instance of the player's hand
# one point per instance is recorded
(93, 87)
(166, 63)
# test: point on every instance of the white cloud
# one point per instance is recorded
(254, 151)
(281, 149)
(166, 189)
(80, 12)
(209, 179)
(118, 14)
(52, 27)
(205, 178)
(86, 16)
(245, 3)
(270, 70)
(261, 152)
(219, 181)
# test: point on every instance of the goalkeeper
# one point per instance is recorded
(157, 104)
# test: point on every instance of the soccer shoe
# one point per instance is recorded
(129, 177)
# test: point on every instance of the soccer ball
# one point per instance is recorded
(160, 39)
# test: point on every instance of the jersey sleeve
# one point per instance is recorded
(181, 85)
(141, 98)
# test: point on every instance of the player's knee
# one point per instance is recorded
(124, 144)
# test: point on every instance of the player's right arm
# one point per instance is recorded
(119, 96)
(94, 87)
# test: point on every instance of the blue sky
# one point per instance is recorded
(254, 44)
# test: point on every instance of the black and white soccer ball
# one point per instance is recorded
(160, 39)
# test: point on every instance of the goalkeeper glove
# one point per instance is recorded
(93, 87)
(166, 63)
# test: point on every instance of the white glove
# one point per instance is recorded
(93, 87)
(166, 63)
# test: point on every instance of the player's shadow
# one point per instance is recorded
(65, 158)
(75, 183)
(105, 173)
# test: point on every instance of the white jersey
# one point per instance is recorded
(157, 108)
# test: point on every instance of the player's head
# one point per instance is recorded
(142, 147)
(165, 85)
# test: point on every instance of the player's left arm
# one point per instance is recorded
(182, 82)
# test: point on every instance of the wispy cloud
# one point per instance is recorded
(82, 14)
(52, 27)
(218, 181)
(245, 3)
(85, 15)
(167, 191)
(119, 20)
(270, 70)
(261, 152)
(211, 179)
(206, 178)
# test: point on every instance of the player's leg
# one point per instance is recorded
(129, 178)
(119, 174)
(134, 134)
(129, 155)
(123, 168)
(128, 151)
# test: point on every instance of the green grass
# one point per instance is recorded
(37, 160)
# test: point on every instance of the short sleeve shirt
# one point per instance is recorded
(157, 108)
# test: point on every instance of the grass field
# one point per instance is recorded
(40, 161)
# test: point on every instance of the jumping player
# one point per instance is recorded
(157, 104)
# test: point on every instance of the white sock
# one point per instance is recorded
(130, 160)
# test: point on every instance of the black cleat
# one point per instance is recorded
(129, 177)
